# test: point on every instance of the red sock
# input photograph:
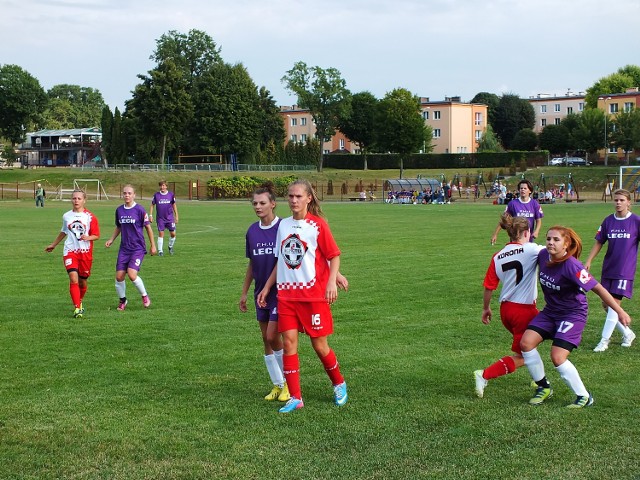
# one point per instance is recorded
(502, 367)
(291, 367)
(74, 290)
(332, 368)
(83, 290)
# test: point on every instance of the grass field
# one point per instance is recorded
(175, 392)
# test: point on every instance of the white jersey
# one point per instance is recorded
(516, 267)
(76, 224)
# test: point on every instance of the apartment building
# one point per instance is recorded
(552, 109)
(457, 126)
(614, 103)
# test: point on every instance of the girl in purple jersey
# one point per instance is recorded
(524, 206)
(564, 281)
(622, 232)
(260, 242)
(131, 221)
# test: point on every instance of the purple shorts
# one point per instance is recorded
(620, 287)
(566, 328)
(267, 314)
(169, 225)
(128, 260)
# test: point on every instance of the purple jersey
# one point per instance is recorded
(131, 222)
(260, 244)
(623, 235)
(164, 206)
(564, 286)
(530, 210)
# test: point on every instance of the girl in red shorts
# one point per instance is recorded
(306, 276)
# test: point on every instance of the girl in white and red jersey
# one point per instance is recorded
(306, 277)
(80, 228)
(516, 267)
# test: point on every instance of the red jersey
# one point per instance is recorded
(76, 224)
(304, 248)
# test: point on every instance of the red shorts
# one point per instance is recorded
(79, 262)
(515, 318)
(312, 318)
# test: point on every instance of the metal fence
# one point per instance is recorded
(202, 167)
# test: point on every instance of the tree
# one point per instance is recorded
(22, 100)
(72, 106)
(400, 126)
(489, 143)
(618, 82)
(359, 126)
(162, 106)
(626, 131)
(491, 100)
(272, 131)
(589, 134)
(525, 140)
(512, 115)
(324, 93)
(555, 138)
(106, 124)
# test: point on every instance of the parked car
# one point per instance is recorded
(569, 161)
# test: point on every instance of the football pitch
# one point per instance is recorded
(176, 391)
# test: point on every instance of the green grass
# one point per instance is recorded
(175, 392)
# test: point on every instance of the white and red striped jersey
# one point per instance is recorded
(304, 248)
(516, 267)
(76, 224)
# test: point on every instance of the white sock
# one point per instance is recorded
(172, 240)
(160, 243)
(278, 355)
(275, 373)
(571, 377)
(139, 284)
(121, 289)
(610, 323)
(534, 364)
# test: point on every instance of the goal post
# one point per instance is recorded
(91, 186)
(629, 177)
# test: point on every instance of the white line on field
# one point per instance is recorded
(207, 228)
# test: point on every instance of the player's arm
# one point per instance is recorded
(175, 213)
(536, 229)
(595, 250)
(54, 244)
(494, 237)
(114, 235)
(262, 296)
(332, 287)
(486, 306)
(342, 282)
(149, 230)
(151, 210)
(248, 278)
(623, 317)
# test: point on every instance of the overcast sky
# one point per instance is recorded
(434, 48)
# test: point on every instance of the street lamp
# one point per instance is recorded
(606, 149)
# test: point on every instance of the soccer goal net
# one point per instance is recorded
(91, 186)
(629, 177)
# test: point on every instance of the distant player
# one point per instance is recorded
(622, 232)
(524, 206)
(166, 215)
(131, 221)
(516, 267)
(80, 229)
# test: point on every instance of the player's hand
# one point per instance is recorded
(242, 304)
(624, 319)
(261, 299)
(486, 315)
(49, 248)
(332, 293)
(154, 251)
(342, 282)
(108, 243)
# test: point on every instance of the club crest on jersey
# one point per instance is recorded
(293, 250)
(584, 276)
(77, 228)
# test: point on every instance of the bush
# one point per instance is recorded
(243, 187)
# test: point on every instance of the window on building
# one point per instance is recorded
(628, 106)
(556, 121)
(543, 109)
(478, 118)
(303, 138)
(436, 133)
(303, 121)
(581, 106)
(478, 134)
(556, 107)
(569, 110)
(436, 115)
(461, 149)
(543, 122)
(342, 143)
(294, 138)
(613, 108)
(425, 115)
(294, 122)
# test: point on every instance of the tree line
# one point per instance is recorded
(192, 102)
